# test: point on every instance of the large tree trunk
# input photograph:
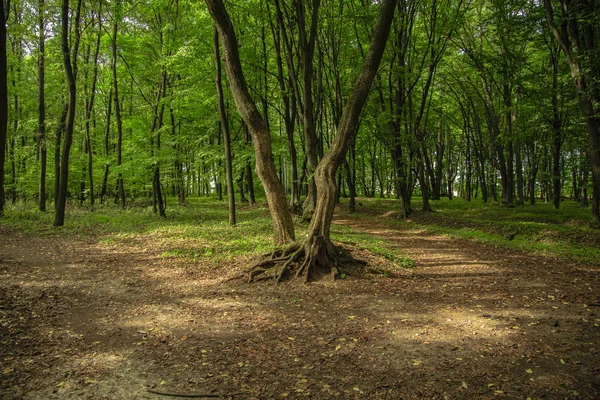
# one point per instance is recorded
(317, 251)
(225, 129)
(283, 226)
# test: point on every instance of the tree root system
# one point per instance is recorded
(306, 260)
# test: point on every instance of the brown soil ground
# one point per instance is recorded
(86, 320)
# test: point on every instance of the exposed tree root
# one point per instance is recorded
(304, 260)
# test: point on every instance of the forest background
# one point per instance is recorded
(116, 102)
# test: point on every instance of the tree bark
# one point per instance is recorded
(319, 250)
(283, 226)
(89, 109)
(70, 65)
(577, 41)
(117, 100)
(42, 108)
(3, 98)
(225, 130)
(106, 146)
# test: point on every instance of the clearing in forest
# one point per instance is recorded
(107, 317)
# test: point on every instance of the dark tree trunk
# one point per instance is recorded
(3, 98)
(42, 108)
(106, 147)
(120, 184)
(556, 134)
(249, 174)
(318, 248)
(224, 127)
(289, 116)
(351, 187)
(89, 110)
(577, 39)
(60, 129)
(70, 65)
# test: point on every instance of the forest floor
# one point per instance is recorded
(87, 319)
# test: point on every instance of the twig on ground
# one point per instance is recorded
(191, 395)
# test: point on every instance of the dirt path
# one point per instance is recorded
(88, 320)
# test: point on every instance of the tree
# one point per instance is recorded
(283, 226)
(117, 102)
(577, 34)
(317, 250)
(70, 65)
(42, 148)
(4, 11)
(224, 127)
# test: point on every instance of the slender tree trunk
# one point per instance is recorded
(351, 187)
(106, 146)
(3, 98)
(117, 100)
(509, 185)
(42, 108)
(318, 247)
(224, 127)
(60, 129)
(580, 46)
(289, 116)
(70, 65)
(89, 110)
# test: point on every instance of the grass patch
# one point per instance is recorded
(374, 244)
(538, 228)
(199, 231)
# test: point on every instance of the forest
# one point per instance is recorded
(299, 198)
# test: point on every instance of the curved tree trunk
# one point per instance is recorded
(283, 226)
(318, 248)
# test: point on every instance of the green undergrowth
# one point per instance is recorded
(381, 247)
(566, 232)
(196, 231)
(199, 231)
